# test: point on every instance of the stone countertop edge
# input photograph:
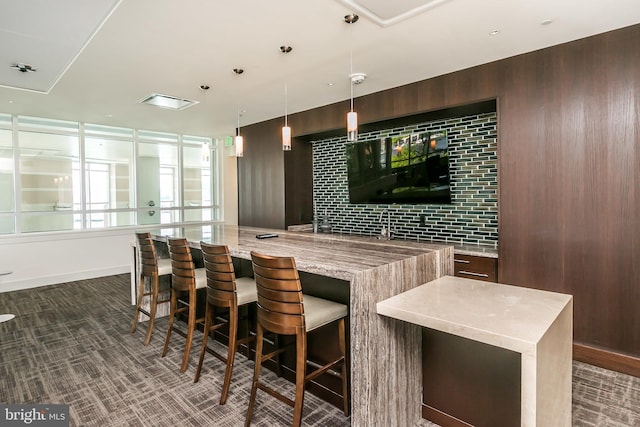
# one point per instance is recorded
(479, 250)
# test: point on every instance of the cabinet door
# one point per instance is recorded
(476, 267)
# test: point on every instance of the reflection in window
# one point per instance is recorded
(47, 180)
(7, 223)
(66, 186)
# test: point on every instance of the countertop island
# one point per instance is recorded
(535, 324)
(383, 391)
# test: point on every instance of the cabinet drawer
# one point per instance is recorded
(476, 267)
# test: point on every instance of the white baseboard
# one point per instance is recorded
(7, 285)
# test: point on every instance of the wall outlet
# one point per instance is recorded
(423, 222)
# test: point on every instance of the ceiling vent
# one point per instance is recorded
(168, 101)
(386, 13)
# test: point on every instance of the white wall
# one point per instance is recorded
(49, 258)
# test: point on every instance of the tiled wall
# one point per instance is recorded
(471, 218)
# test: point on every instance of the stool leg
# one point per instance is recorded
(154, 307)
(301, 371)
(203, 349)
(256, 374)
(136, 313)
(172, 314)
(191, 326)
(345, 385)
(233, 337)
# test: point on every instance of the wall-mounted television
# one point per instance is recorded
(406, 169)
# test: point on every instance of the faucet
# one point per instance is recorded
(385, 233)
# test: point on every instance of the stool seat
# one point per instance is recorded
(246, 290)
(201, 278)
(164, 266)
(319, 312)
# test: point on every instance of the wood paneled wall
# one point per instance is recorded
(569, 174)
(274, 186)
(261, 197)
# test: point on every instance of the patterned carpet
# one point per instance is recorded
(70, 344)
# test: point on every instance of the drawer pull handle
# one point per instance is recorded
(463, 261)
(473, 274)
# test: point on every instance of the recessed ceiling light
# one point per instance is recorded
(547, 22)
(330, 84)
(168, 101)
(494, 33)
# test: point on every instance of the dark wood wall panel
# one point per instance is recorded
(569, 171)
(569, 182)
(298, 183)
(261, 196)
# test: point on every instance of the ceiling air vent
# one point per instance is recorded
(167, 101)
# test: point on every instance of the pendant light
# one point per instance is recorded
(352, 116)
(286, 130)
(206, 146)
(239, 141)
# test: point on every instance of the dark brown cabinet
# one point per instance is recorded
(476, 267)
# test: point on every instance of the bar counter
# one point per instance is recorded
(385, 359)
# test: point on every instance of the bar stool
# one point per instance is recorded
(185, 281)
(153, 268)
(224, 290)
(283, 309)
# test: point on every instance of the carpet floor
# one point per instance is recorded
(70, 344)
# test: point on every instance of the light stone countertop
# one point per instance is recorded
(487, 251)
(333, 255)
(505, 316)
(537, 324)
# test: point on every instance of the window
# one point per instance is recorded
(158, 179)
(109, 184)
(198, 158)
(59, 175)
(47, 199)
(7, 201)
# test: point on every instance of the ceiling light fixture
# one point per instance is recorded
(239, 141)
(286, 130)
(494, 33)
(352, 116)
(24, 68)
(206, 146)
(167, 101)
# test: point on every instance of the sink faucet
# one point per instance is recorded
(385, 233)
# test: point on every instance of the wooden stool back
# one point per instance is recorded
(223, 291)
(281, 310)
(185, 279)
(149, 267)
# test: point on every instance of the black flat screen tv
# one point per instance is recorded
(406, 169)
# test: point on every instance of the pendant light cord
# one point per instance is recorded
(351, 65)
(286, 96)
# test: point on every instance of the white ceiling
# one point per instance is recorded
(95, 72)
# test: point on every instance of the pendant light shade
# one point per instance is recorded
(286, 138)
(239, 143)
(352, 126)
